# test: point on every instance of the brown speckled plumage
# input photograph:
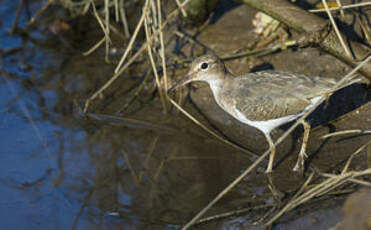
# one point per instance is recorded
(269, 95)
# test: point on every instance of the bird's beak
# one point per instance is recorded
(187, 79)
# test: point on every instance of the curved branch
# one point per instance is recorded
(305, 22)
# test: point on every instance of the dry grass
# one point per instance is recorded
(342, 7)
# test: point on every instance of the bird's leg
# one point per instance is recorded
(299, 166)
(272, 148)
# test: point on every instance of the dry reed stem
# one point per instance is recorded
(124, 19)
(323, 188)
(337, 30)
(113, 78)
(357, 181)
(287, 207)
(304, 186)
(226, 190)
(133, 58)
(365, 29)
(232, 213)
(162, 53)
(210, 131)
(106, 20)
(132, 39)
(154, 17)
(106, 33)
(39, 12)
(342, 7)
(117, 15)
(149, 48)
(320, 189)
(100, 42)
(361, 182)
(96, 46)
(260, 52)
(191, 40)
(116, 31)
(266, 153)
(86, 8)
(138, 90)
(182, 10)
(345, 169)
(344, 132)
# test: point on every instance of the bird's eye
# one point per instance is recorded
(204, 66)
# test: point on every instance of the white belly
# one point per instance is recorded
(267, 126)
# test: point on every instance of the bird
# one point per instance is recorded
(264, 100)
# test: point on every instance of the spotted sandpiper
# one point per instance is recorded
(264, 100)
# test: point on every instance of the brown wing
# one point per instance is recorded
(269, 95)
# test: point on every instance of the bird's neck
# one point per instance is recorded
(219, 85)
(216, 85)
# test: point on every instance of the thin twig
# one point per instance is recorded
(107, 14)
(344, 132)
(132, 39)
(342, 7)
(345, 169)
(96, 46)
(336, 30)
(132, 59)
(106, 33)
(123, 18)
(331, 183)
(365, 29)
(361, 182)
(209, 131)
(184, 13)
(304, 186)
(117, 15)
(322, 188)
(138, 90)
(17, 15)
(40, 11)
(191, 40)
(157, 79)
(117, 32)
(357, 181)
(162, 53)
(232, 213)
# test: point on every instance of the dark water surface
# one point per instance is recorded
(148, 170)
(60, 170)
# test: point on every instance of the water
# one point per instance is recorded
(121, 167)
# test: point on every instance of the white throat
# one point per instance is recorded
(215, 85)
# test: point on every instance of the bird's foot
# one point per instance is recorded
(299, 166)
